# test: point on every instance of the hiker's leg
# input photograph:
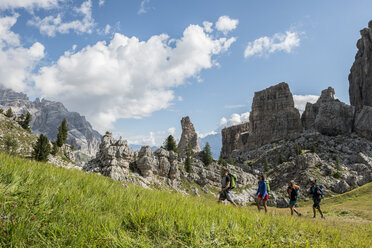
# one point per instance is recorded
(265, 206)
(258, 203)
(314, 211)
(233, 203)
(291, 208)
(321, 213)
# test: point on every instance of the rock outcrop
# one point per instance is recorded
(360, 77)
(188, 136)
(328, 115)
(48, 115)
(273, 116)
(234, 137)
(363, 122)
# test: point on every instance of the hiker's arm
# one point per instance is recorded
(319, 192)
(227, 186)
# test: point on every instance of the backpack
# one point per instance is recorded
(298, 190)
(232, 181)
(267, 186)
(320, 187)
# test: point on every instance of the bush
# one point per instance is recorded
(337, 175)
(231, 161)
(266, 166)
(9, 113)
(337, 164)
(313, 149)
(298, 150)
(41, 149)
(281, 158)
(11, 144)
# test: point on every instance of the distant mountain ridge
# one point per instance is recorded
(48, 115)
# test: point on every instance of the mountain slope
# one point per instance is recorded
(54, 207)
(48, 115)
(215, 141)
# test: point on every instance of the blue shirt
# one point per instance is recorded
(262, 189)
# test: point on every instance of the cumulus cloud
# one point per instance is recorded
(267, 45)
(128, 78)
(203, 135)
(29, 4)
(301, 100)
(16, 61)
(172, 131)
(234, 119)
(234, 106)
(143, 9)
(225, 24)
(208, 27)
(51, 25)
(101, 2)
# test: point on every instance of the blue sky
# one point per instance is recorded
(109, 61)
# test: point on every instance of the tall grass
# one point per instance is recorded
(45, 206)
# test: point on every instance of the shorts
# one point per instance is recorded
(264, 198)
(292, 203)
(316, 203)
(226, 195)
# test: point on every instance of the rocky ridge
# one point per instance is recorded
(48, 115)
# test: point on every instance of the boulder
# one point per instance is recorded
(146, 161)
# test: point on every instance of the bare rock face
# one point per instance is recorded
(48, 115)
(188, 136)
(328, 115)
(273, 116)
(146, 161)
(360, 77)
(233, 138)
(363, 122)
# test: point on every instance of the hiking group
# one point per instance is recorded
(228, 182)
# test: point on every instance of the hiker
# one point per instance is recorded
(225, 193)
(262, 194)
(293, 191)
(317, 197)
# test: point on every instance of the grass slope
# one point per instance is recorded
(45, 206)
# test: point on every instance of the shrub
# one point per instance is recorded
(41, 148)
(11, 144)
(337, 175)
(9, 113)
(298, 150)
(281, 158)
(337, 164)
(313, 149)
(231, 160)
(266, 166)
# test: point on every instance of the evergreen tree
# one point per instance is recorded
(231, 161)
(207, 155)
(41, 148)
(11, 144)
(72, 145)
(55, 148)
(62, 133)
(170, 144)
(220, 159)
(189, 154)
(26, 122)
(9, 113)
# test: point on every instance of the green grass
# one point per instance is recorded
(48, 206)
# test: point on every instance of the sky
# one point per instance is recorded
(136, 67)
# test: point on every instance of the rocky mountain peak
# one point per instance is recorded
(327, 95)
(360, 77)
(188, 135)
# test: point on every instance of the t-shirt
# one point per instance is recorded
(224, 181)
(293, 194)
(314, 192)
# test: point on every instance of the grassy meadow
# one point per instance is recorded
(45, 206)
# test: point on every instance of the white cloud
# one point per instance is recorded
(267, 45)
(16, 61)
(148, 140)
(128, 78)
(208, 27)
(225, 24)
(143, 9)
(234, 119)
(101, 2)
(301, 100)
(172, 131)
(180, 98)
(51, 25)
(234, 106)
(29, 4)
(203, 135)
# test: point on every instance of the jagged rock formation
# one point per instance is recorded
(363, 122)
(234, 137)
(273, 116)
(360, 77)
(188, 136)
(328, 115)
(48, 115)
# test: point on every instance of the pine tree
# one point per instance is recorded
(189, 154)
(41, 148)
(9, 113)
(55, 148)
(72, 145)
(207, 155)
(26, 122)
(62, 133)
(170, 144)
